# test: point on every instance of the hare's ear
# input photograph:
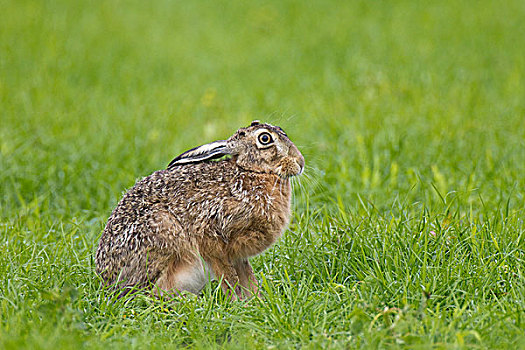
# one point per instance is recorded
(209, 151)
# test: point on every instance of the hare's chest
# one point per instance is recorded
(258, 231)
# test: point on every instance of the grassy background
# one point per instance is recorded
(408, 226)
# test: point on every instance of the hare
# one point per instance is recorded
(214, 207)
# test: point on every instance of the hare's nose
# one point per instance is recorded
(297, 156)
(300, 161)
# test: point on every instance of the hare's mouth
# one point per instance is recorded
(289, 168)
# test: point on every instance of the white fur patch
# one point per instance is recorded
(192, 277)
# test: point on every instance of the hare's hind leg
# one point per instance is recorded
(182, 270)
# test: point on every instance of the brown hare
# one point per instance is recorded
(215, 206)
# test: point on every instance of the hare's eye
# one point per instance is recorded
(265, 138)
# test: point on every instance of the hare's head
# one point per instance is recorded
(259, 147)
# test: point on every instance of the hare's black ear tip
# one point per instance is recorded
(255, 122)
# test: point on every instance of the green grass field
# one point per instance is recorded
(408, 223)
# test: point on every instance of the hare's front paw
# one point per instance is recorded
(238, 293)
(233, 293)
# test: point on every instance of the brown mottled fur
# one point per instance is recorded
(179, 227)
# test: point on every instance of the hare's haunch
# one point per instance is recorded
(203, 217)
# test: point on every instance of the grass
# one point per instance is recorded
(408, 224)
